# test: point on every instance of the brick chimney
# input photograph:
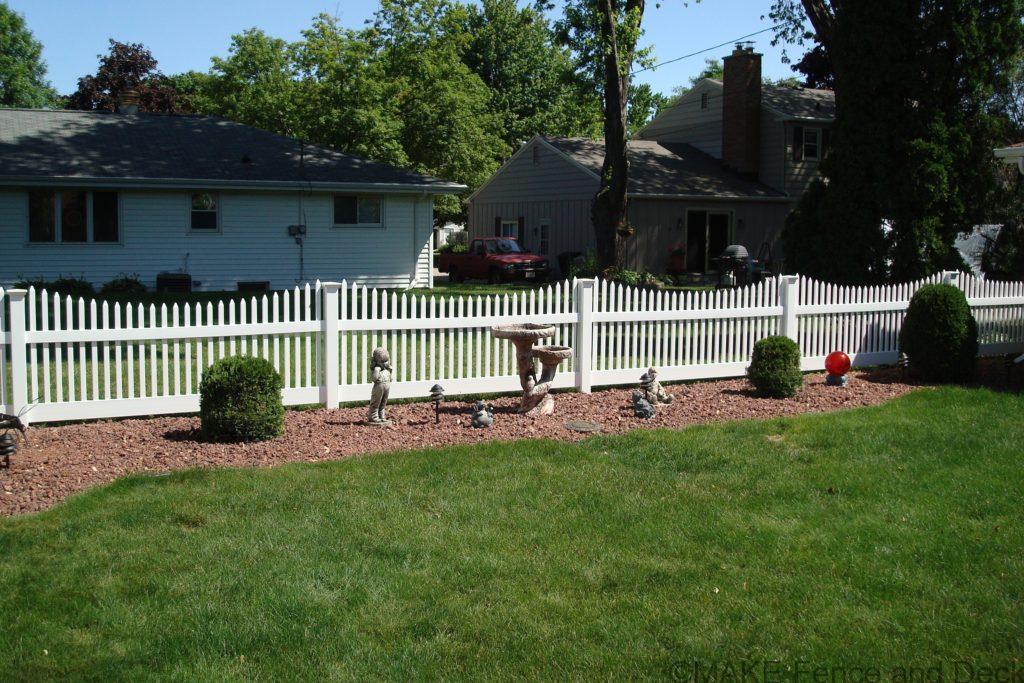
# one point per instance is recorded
(741, 110)
(128, 102)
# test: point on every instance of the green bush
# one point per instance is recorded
(939, 335)
(65, 286)
(775, 367)
(453, 248)
(586, 267)
(240, 400)
(125, 284)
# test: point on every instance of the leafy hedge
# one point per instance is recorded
(240, 400)
(124, 285)
(775, 367)
(939, 335)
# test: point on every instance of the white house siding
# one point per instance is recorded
(685, 121)
(252, 245)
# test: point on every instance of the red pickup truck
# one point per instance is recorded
(495, 259)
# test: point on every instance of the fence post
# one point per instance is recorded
(330, 330)
(19, 363)
(949, 277)
(789, 289)
(584, 298)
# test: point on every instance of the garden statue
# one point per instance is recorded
(641, 406)
(537, 399)
(381, 375)
(653, 391)
(483, 415)
(437, 395)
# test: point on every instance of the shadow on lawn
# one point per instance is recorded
(994, 373)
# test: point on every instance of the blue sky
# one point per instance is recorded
(184, 34)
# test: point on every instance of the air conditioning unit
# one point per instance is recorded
(177, 283)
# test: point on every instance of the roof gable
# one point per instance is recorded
(152, 148)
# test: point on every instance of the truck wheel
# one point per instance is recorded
(455, 276)
(494, 276)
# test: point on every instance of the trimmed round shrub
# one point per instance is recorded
(240, 400)
(939, 335)
(775, 367)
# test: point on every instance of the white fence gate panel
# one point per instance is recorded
(65, 358)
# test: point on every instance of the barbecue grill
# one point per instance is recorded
(735, 267)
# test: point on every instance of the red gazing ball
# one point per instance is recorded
(837, 363)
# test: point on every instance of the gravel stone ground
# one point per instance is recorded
(63, 460)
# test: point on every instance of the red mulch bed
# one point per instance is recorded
(63, 460)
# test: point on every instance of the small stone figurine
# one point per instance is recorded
(652, 389)
(483, 415)
(381, 375)
(641, 406)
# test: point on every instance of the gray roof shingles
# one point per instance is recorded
(668, 169)
(800, 103)
(41, 144)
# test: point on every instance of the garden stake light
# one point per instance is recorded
(437, 395)
(8, 446)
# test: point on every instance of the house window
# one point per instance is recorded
(704, 101)
(812, 143)
(204, 212)
(104, 217)
(42, 216)
(354, 210)
(544, 236)
(509, 229)
(72, 216)
(74, 226)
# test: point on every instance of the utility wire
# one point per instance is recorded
(707, 49)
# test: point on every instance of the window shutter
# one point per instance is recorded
(798, 143)
(497, 226)
(825, 135)
(521, 233)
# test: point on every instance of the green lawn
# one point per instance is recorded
(889, 536)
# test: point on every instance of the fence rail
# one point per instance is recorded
(67, 359)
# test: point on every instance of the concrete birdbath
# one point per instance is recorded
(536, 397)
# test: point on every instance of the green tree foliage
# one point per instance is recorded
(127, 66)
(530, 76)
(22, 69)
(910, 164)
(448, 128)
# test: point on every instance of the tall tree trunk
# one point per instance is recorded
(610, 206)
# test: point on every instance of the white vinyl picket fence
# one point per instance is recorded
(71, 359)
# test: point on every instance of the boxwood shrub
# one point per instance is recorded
(240, 400)
(775, 367)
(939, 335)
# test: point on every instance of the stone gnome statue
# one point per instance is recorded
(380, 373)
(653, 391)
(483, 415)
